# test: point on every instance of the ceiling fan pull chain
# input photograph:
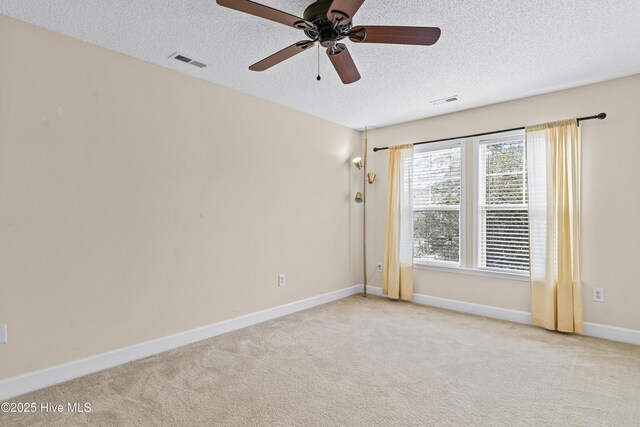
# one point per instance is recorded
(318, 78)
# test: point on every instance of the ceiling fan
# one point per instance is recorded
(328, 22)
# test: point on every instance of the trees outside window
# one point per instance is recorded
(437, 197)
(502, 202)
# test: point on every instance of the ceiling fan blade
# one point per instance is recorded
(266, 12)
(425, 36)
(343, 63)
(280, 56)
(343, 9)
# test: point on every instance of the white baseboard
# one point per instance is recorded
(25, 383)
(613, 333)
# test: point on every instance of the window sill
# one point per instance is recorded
(473, 272)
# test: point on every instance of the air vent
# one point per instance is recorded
(183, 58)
(445, 100)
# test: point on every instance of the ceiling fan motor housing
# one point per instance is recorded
(328, 38)
(327, 32)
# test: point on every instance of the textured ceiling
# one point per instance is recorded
(490, 50)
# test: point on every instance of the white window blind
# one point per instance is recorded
(436, 203)
(502, 205)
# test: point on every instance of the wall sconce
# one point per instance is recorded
(358, 163)
(359, 197)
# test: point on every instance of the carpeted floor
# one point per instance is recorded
(365, 362)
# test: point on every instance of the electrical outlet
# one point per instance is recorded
(379, 267)
(281, 280)
(3, 334)
(598, 294)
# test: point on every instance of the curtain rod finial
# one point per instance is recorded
(602, 116)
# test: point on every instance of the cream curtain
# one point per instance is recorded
(553, 162)
(397, 276)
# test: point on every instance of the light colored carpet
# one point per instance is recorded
(365, 362)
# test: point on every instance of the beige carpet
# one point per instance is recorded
(365, 362)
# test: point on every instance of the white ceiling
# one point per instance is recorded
(490, 50)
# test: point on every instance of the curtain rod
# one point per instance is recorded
(600, 116)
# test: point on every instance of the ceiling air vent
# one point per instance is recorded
(183, 58)
(445, 100)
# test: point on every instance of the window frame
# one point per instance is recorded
(477, 229)
(462, 229)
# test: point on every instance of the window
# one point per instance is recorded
(497, 216)
(437, 195)
(502, 209)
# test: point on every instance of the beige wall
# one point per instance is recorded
(136, 202)
(610, 196)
